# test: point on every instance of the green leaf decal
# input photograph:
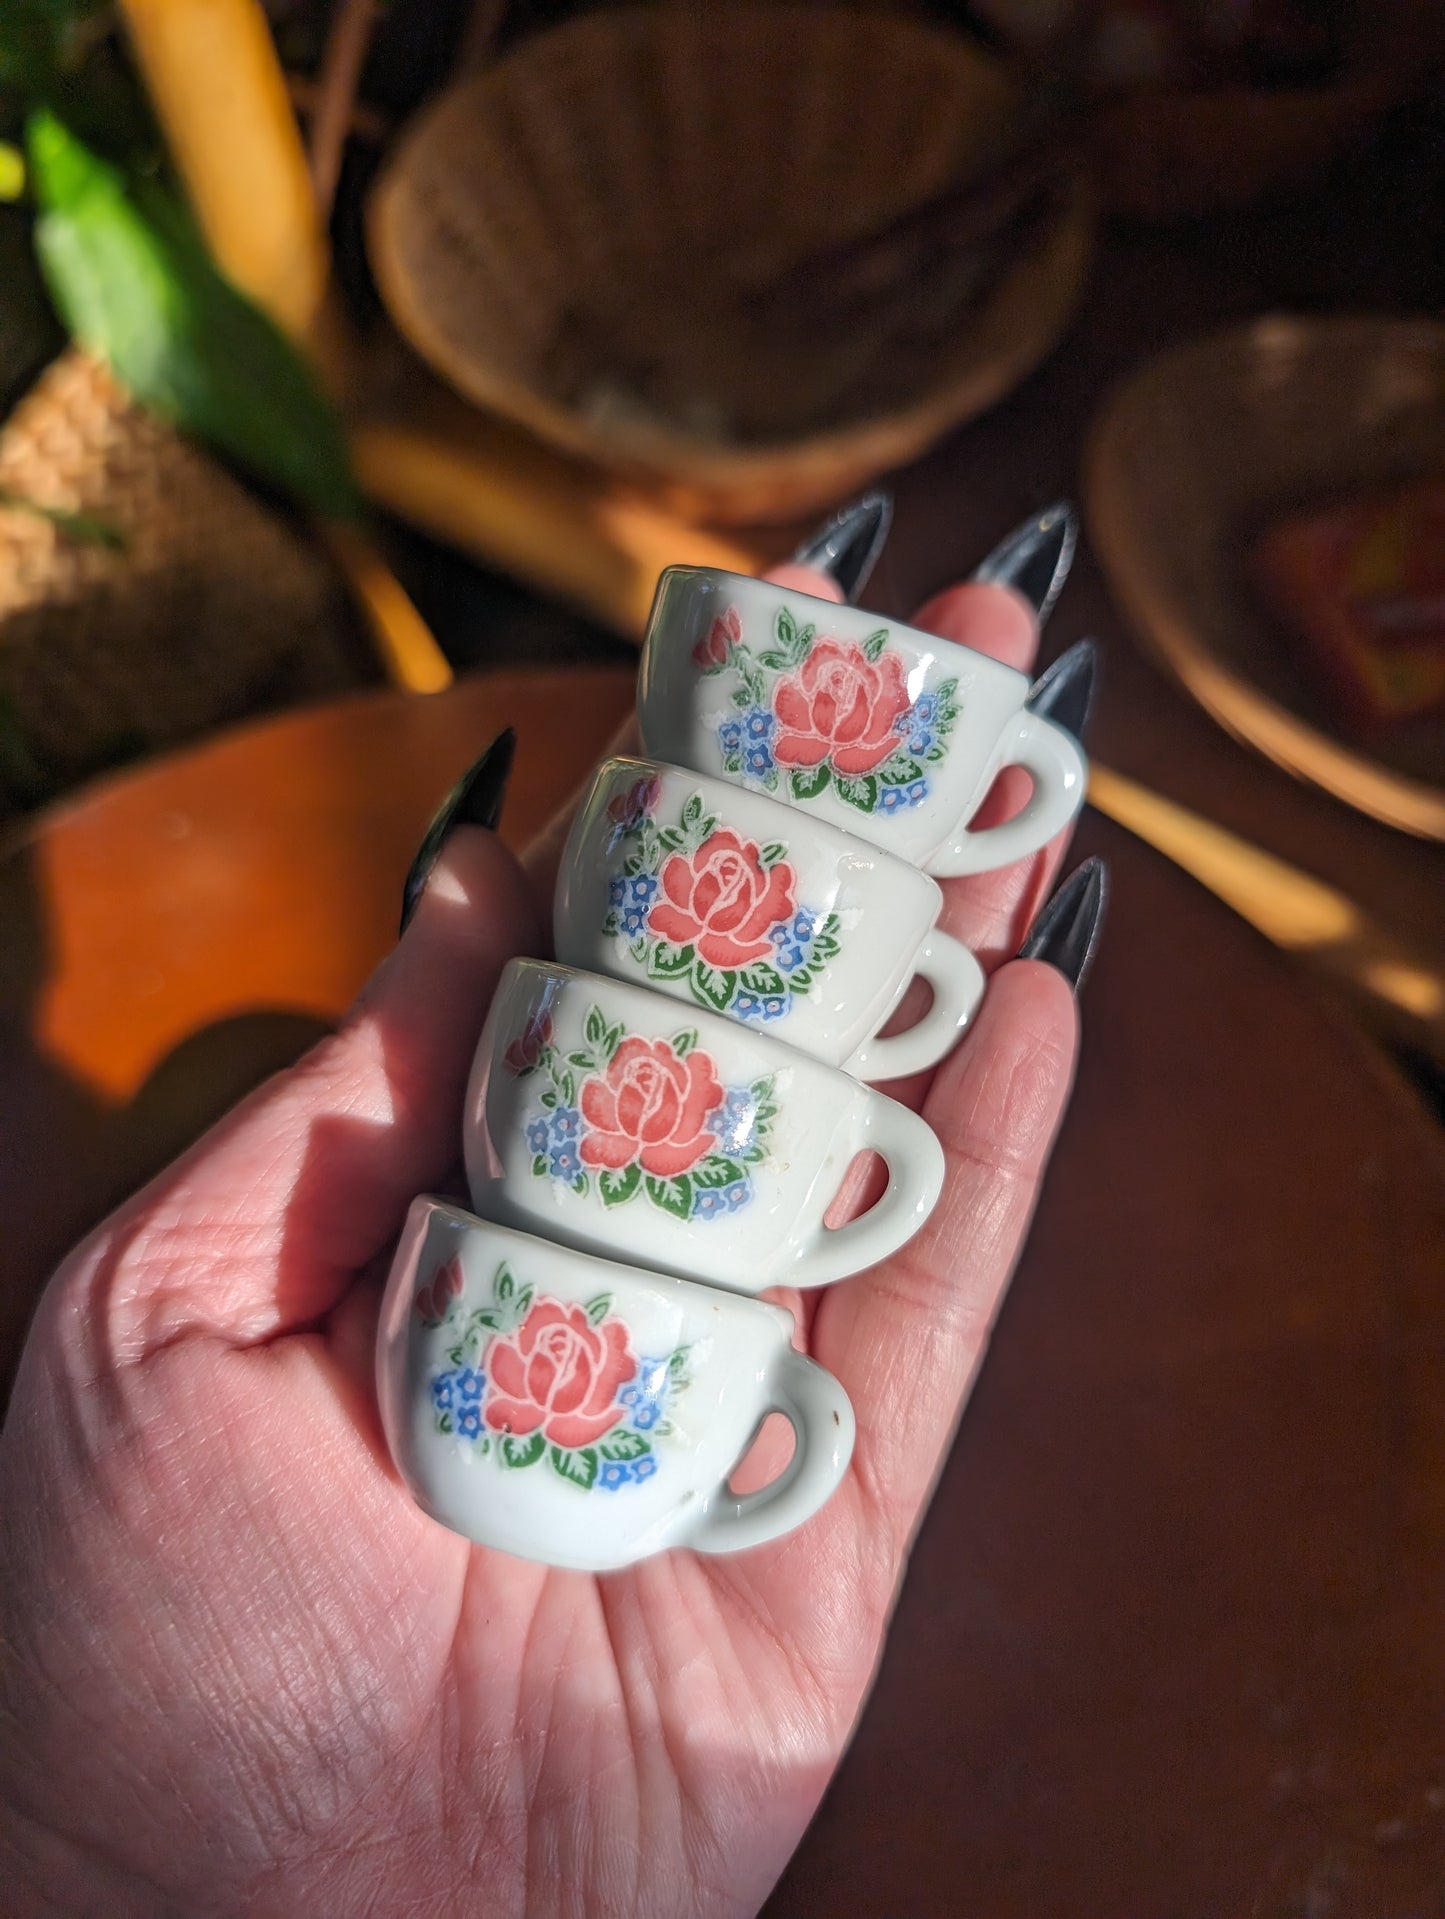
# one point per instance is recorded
(521, 1452)
(772, 852)
(677, 1361)
(130, 274)
(539, 1164)
(713, 988)
(595, 1029)
(874, 644)
(762, 979)
(523, 1301)
(618, 1187)
(612, 1040)
(692, 811)
(598, 1308)
(715, 1171)
(669, 962)
(683, 1042)
(862, 793)
(808, 782)
(584, 1061)
(672, 1195)
(505, 1284)
(623, 1443)
(578, 1467)
(901, 770)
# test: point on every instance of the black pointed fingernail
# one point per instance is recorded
(1036, 557)
(475, 800)
(848, 545)
(1065, 693)
(1066, 933)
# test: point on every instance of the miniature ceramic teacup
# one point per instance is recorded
(586, 1414)
(606, 1118)
(728, 901)
(885, 731)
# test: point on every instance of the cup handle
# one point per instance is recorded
(821, 1416)
(1052, 757)
(915, 1179)
(957, 980)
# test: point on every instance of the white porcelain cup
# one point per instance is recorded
(587, 1414)
(725, 900)
(605, 1117)
(887, 732)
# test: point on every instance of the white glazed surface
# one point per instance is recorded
(869, 914)
(737, 1365)
(694, 683)
(788, 1145)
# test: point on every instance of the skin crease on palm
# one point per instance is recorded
(243, 1673)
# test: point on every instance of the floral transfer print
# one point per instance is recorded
(646, 1116)
(699, 903)
(533, 1379)
(818, 712)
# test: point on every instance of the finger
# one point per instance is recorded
(907, 1338)
(260, 1226)
(543, 857)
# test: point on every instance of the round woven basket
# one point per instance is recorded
(610, 238)
(184, 603)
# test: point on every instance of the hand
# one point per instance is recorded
(241, 1670)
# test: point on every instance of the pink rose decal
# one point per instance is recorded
(629, 809)
(434, 1301)
(713, 648)
(559, 1372)
(527, 1049)
(840, 706)
(723, 901)
(650, 1105)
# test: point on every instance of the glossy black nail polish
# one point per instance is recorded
(1065, 692)
(475, 800)
(1035, 558)
(1066, 933)
(848, 545)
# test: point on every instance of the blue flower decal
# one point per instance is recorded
(738, 1194)
(759, 723)
(566, 1123)
(759, 761)
(564, 1161)
(616, 891)
(804, 925)
(614, 1474)
(469, 1422)
(537, 1137)
(634, 921)
(645, 1467)
(708, 1202)
(642, 889)
(470, 1385)
(734, 1121)
(730, 736)
(443, 1391)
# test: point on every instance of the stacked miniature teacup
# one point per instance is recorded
(749, 910)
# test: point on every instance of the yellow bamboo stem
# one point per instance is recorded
(211, 70)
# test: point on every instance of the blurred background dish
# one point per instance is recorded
(1240, 490)
(687, 245)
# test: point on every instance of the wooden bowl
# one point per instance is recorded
(583, 239)
(1189, 461)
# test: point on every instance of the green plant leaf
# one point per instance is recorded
(862, 793)
(672, 1195)
(579, 1468)
(874, 644)
(521, 1452)
(623, 1443)
(617, 1187)
(132, 280)
(808, 782)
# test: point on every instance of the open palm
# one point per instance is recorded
(243, 1672)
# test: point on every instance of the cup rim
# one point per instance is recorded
(849, 844)
(835, 610)
(611, 1272)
